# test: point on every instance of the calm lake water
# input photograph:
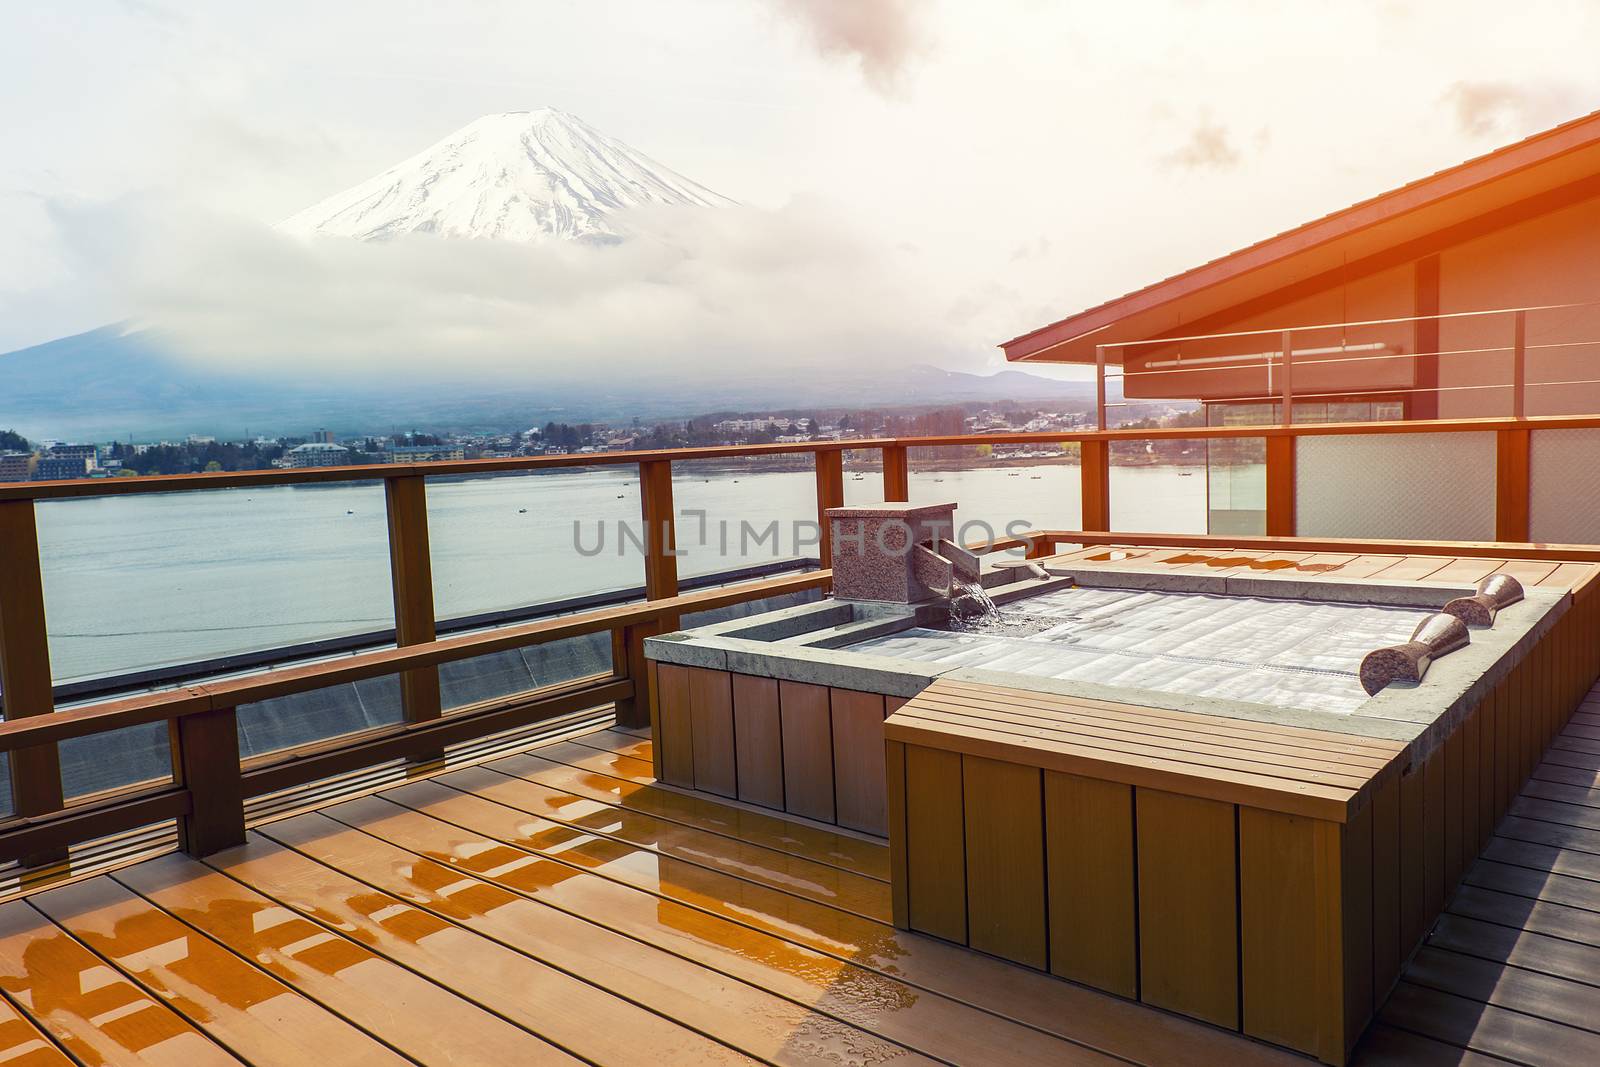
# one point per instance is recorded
(140, 581)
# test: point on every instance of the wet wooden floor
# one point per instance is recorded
(552, 906)
(557, 906)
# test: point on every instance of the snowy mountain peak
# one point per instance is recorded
(518, 176)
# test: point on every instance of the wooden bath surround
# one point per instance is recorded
(1265, 878)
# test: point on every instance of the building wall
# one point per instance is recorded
(1551, 259)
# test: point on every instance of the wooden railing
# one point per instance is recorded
(210, 783)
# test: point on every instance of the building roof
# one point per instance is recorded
(1547, 170)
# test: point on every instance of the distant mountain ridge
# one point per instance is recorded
(113, 383)
(521, 176)
(531, 176)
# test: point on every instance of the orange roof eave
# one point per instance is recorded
(1544, 162)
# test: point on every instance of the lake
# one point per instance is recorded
(149, 580)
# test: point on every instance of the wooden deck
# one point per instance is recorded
(554, 905)
(557, 905)
(1511, 971)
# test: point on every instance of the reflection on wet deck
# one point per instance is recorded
(557, 905)
(554, 905)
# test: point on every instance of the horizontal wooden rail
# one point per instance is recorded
(173, 483)
(250, 689)
(1355, 546)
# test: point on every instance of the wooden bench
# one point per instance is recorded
(1221, 868)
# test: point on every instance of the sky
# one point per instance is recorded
(921, 180)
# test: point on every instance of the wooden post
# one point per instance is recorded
(896, 474)
(628, 661)
(660, 537)
(25, 666)
(1095, 478)
(205, 761)
(411, 568)
(1511, 512)
(1280, 486)
(1039, 547)
(1288, 377)
(830, 494)
(1519, 365)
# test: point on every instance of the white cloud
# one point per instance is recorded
(733, 291)
(884, 36)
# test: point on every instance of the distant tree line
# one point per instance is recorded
(12, 441)
(188, 458)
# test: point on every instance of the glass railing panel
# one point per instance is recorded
(1414, 486)
(1000, 490)
(1236, 486)
(114, 760)
(148, 580)
(521, 670)
(302, 718)
(744, 510)
(509, 540)
(1159, 485)
(1563, 484)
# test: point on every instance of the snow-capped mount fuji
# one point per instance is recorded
(522, 176)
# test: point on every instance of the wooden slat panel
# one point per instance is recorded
(895, 782)
(758, 740)
(1433, 843)
(807, 750)
(1350, 849)
(1453, 797)
(675, 739)
(1227, 785)
(1005, 860)
(1386, 862)
(858, 768)
(1281, 956)
(1413, 894)
(1237, 729)
(936, 887)
(1171, 743)
(1090, 880)
(1188, 929)
(711, 731)
(250, 1012)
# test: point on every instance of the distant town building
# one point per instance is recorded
(16, 466)
(422, 453)
(201, 439)
(54, 468)
(770, 422)
(323, 437)
(316, 454)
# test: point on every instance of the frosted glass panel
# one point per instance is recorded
(1563, 485)
(1416, 486)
